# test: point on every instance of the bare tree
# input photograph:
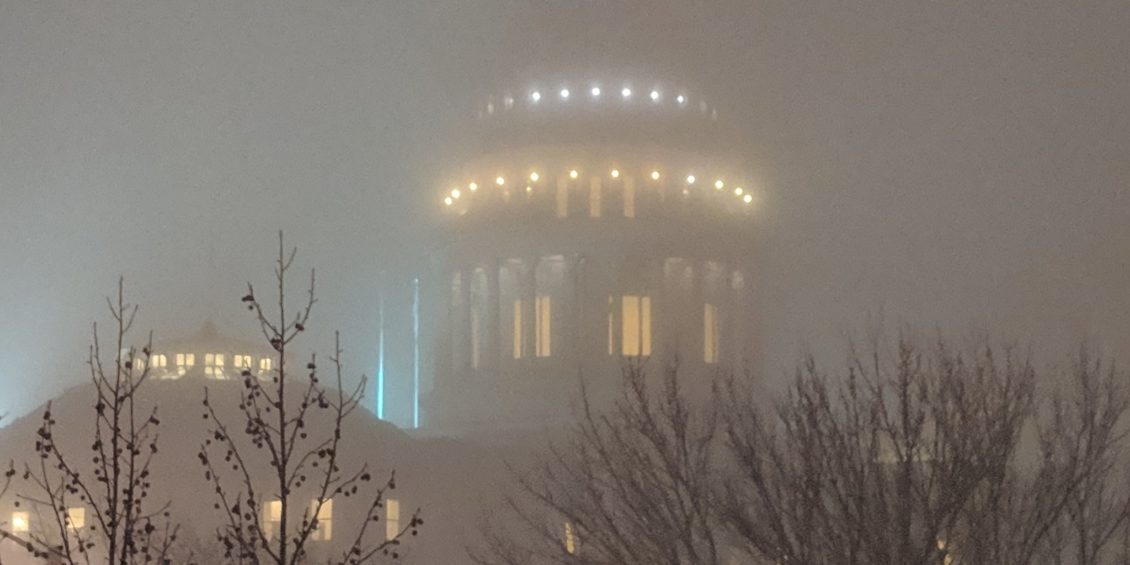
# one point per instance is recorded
(1067, 501)
(119, 526)
(877, 465)
(278, 424)
(634, 486)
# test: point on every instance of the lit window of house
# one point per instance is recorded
(159, 361)
(214, 365)
(570, 539)
(323, 529)
(542, 326)
(392, 518)
(21, 522)
(185, 361)
(710, 333)
(76, 518)
(265, 365)
(241, 362)
(635, 325)
(272, 518)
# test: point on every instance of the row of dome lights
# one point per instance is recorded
(595, 92)
(719, 185)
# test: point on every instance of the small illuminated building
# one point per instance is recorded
(598, 222)
(209, 355)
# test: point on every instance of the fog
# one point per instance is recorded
(952, 164)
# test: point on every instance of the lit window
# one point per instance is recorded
(21, 522)
(392, 518)
(635, 325)
(272, 518)
(570, 539)
(265, 365)
(241, 361)
(159, 361)
(214, 365)
(323, 527)
(594, 198)
(543, 324)
(76, 518)
(710, 333)
(611, 333)
(185, 361)
(517, 350)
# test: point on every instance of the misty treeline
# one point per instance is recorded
(914, 453)
(267, 521)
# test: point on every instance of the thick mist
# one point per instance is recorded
(954, 164)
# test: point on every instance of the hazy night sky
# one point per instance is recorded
(962, 164)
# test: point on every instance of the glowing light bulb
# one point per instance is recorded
(536, 96)
(654, 175)
(690, 179)
(718, 184)
(615, 173)
(655, 96)
(500, 181)
(681, 99)
(534, 176)
(564, 93)
(738, 191)
(573, 174)
(595, 92)
(686, 192)
(473, 186)
(626, 93)
(455, 193)
(747, 198)
(529, 188)
(448, 201)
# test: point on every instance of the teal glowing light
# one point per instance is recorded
(381, 359)
(416, 352)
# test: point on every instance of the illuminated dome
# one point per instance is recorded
(597, 221)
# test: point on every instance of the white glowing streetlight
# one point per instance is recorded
(564, 93)
(595, 92)
(654, 175)
(718, 184)
(748, 198)
(448, 201)
(534, 176)
(573, 174)
(681, 99)
(626, 93)
(615, 173)
(690, 179)
(738, 191)
(455, 193)
(535, 96)
(500, 181)
(473, 186)
(654, 96)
